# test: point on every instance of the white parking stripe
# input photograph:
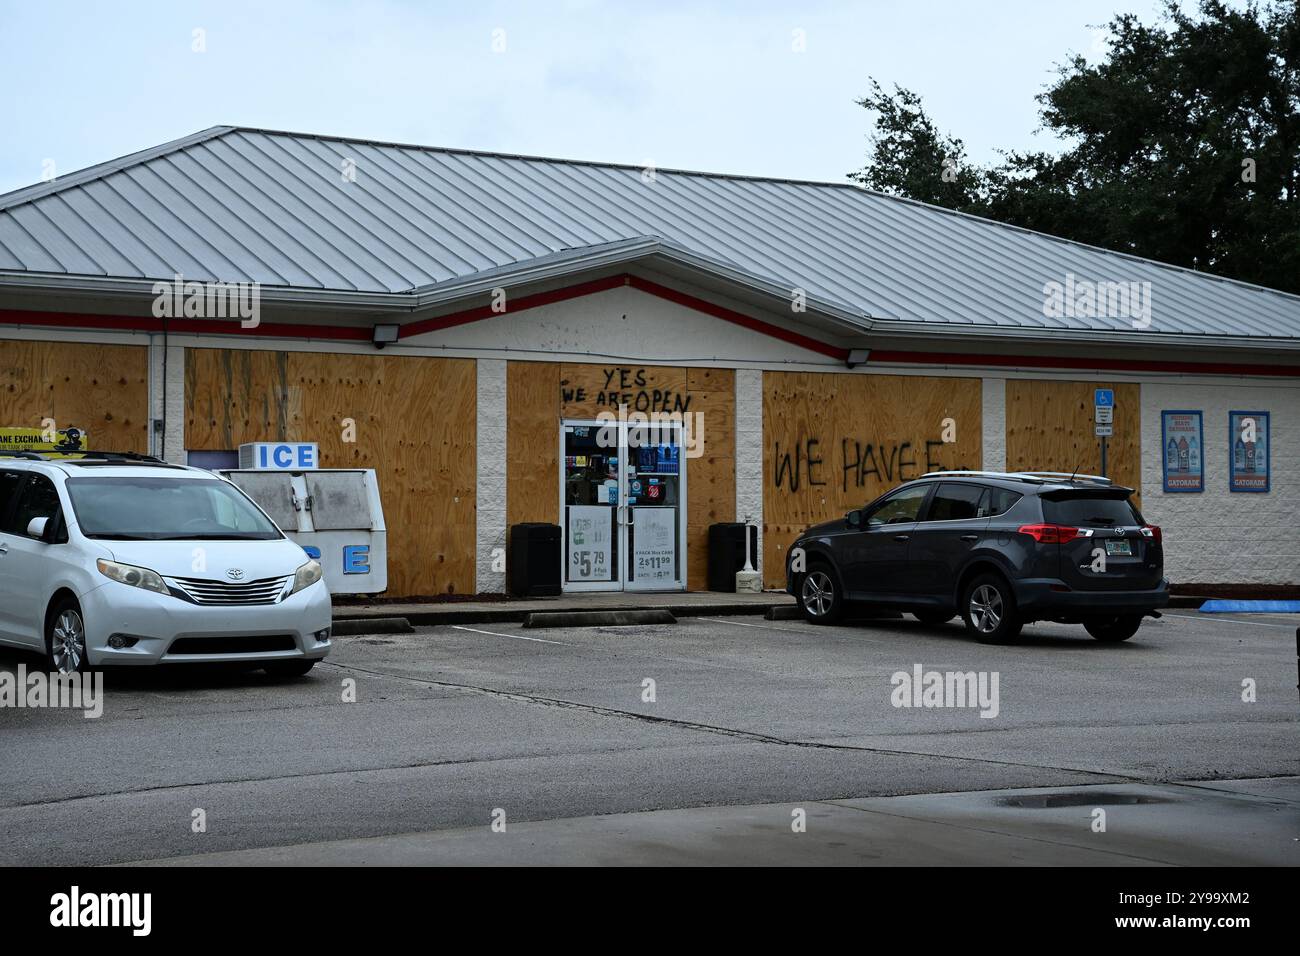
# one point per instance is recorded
(513, 637)
(1225, 620)
(766, 627)
(769, 627)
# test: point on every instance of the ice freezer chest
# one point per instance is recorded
(335, 515)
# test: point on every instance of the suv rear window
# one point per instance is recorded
(1089, 511)
(999, 501)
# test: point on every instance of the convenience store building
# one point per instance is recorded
(483, 330)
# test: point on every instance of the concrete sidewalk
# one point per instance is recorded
(682, 604)
(1218, 823)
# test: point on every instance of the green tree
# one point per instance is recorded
(910, 157)
(1182, 144)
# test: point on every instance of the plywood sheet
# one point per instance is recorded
(833, 442)
(101, 388)
(1050, 427)
(711, 475)
(533, 441)
(412, 419)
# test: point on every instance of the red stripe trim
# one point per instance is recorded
(728, 315)
(516, 305)
(1097, 364)
(354, 334)
(279, 330)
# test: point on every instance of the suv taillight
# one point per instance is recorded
(1152, 531)
(1049, 533)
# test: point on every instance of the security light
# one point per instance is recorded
(385, 335)
(857, 357)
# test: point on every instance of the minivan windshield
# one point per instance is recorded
(166, 509)
(1088, 511)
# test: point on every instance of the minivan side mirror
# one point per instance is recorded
(36, 528)
(854, 519)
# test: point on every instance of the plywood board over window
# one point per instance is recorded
(1050, 427)
(103, 389)
(532, 442)
(711, 472)
(410, 418)
(832, 442)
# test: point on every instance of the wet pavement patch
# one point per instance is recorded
(1078, 798)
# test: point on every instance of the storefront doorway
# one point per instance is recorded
(623, 506)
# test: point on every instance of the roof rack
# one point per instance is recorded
(86, 457)
(967, 472)
(124, 456)
(1038, 477)
(1068, 476)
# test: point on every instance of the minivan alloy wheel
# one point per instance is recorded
(818, 592)
(986, 608)
(68, 642)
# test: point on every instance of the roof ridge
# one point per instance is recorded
(26, 194)
(530, 157)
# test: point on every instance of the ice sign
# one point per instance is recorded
(279, 456)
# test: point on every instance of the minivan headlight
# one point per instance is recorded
(130, 574)
(306, 576)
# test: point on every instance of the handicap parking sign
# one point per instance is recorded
(1104, 397)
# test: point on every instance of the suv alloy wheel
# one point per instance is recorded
(989, 610)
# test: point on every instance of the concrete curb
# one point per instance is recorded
(598, 618)
(508, 615)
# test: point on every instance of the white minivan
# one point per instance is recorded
(125, 559)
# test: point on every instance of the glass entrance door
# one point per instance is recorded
(654, 515)
(623, 506)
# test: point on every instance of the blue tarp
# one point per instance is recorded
(1250, 607)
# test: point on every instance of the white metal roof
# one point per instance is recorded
(236, 204)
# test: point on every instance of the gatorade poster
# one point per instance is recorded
(1248, 434)
(1182, 448)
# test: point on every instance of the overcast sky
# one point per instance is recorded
(719, 87)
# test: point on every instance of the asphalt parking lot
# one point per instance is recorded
(454, 727)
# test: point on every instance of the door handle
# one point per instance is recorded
(970, 537)
(901, 537)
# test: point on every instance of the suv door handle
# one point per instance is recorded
(901, 537)
(970, 537)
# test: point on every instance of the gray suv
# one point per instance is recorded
(1000, 549)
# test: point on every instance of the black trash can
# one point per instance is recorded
(727, 553)
(534, 560)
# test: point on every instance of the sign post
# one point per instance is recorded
(1103, 407)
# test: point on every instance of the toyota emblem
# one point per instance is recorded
(235, 574)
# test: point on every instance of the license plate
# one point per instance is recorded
(1119, 546)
